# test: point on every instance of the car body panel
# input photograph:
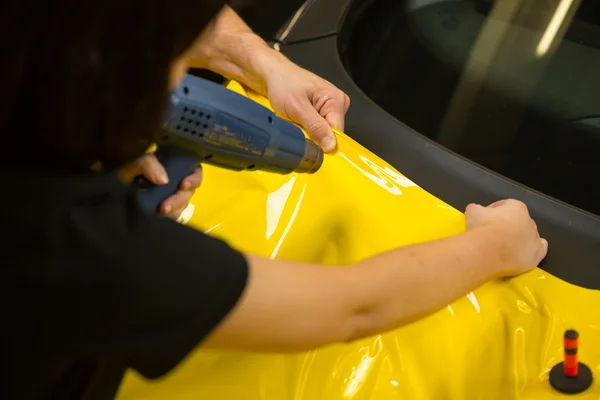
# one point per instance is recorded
(325, 17)
(497, 342)
(573, 234)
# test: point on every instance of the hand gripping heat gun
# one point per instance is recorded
(208, 123)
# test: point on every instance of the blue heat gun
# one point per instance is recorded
(208, 123)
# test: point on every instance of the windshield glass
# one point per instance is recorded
(513, 85)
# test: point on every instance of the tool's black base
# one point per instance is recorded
(565, 384)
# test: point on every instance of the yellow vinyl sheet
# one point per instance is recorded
(498, 342)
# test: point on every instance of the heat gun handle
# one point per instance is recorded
(178, 164)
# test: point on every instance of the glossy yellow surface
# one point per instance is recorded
(498, 342)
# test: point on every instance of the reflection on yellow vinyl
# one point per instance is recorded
(498, 342)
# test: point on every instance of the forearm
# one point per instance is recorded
(407, 284)
(289, 306)
(230, 48)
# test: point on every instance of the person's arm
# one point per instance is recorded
(229, 48)
(154, 290)
(306, 306)
(290, 306)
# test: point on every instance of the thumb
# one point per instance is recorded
(318, 128)
(149, 167)
(153, 170)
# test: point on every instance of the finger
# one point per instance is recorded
(318, 128)
(175, 214)
(543, 252)
(153, 170)
(471, 207)
(193, 181)
(176, 203)
(335, 120)
(497, 203)
(535, 227)
(335, 111)
(130, 171)
(515, 203)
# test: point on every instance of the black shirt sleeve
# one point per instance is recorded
(140, 290)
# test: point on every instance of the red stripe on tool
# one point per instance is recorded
(571, 365)
(570, 343)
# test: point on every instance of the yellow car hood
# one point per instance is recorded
(498, 342)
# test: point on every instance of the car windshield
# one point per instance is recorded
(513, 85)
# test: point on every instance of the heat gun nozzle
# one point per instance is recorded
(312, 160)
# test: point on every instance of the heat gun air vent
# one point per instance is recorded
(194, 121)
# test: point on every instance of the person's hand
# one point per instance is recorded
(308, 100)
(151, 169)
(230, 48)
(521, 246)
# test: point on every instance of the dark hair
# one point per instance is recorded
(88, 81)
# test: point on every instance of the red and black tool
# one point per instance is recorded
(571, 376)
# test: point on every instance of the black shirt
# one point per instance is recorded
(91, 285)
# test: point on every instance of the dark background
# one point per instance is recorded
(266, 17)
